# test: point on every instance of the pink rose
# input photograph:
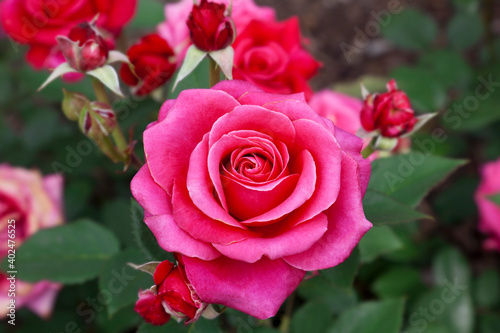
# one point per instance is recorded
(342, 109)
(489, 212)
(253, 189)
(175, 30)
(34, 202)
(271, 55)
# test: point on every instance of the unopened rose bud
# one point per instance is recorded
(84, 48)
(97, 120)
(171, 296)
(390, 112)
(209, 26)
(73, 104)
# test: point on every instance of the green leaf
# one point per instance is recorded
(464, 30)
(411, 30)
(487, 288)
(197, 79)
(201, 326)
(378, 241)
(424, 91)
(171, 327)
(382, 209)
(193, 58)
(489, 323)
(448, 68)
(443, 306)
(450, 266)
(311, 317)
(108, 76)
(468, 6)
(495, 199)
(116, 216)
(123, 282)
(124, 320)
(59, 71)
(144, 238)
(320, 289)
(477, 115)
(409, 177)
(371, 317)
(453, 275)
(204, 325)
(68, 254)
(224, 58)
(343, 274)
(398, 282)
(457, 195)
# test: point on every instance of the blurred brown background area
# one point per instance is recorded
(328, 23)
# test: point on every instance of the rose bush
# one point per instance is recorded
(172, 295)
(253, 190)
(489, 212)
(34, 202)
(38, 23)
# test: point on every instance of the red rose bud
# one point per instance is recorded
(73, 104)
(390, 112)
(84, 48)
(210, 28)
(97, 120)
(172, 296)
(154, 64)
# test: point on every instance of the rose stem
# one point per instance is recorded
(117, 134)
(214, 73)
(285, 320)
(367, 151)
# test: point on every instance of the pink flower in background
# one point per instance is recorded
(271, 55)
(253, 189)
(342, 109)
(35, 203)
(38, 22)
(489, 212)
(175, 30)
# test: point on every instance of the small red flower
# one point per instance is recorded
(84, 48)
(172, 295)
(154, 64)
(209, 27)
(390, 112)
